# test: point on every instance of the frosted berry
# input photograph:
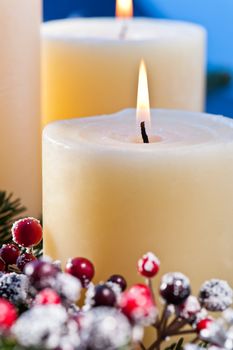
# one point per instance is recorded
(81, 268)
(42, 274)
(175, 288)
(24, 259)
(215, 295)
(104, 296)
(2, 265)
(47, 296)
(189, 309)
(119, 280)
(203, 324)
(137, 304)
(9, 253)
(8, 314)
(27, 232)
(148, 265)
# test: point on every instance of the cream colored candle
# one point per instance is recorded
(110, 198)
(20, 101)
(90, 67)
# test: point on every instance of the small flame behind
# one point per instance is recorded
(124, 8)
(143, 100)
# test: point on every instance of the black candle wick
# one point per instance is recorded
(144, 134)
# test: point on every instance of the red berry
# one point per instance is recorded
(24, 259)
(41, 273)
(81, 268)
(27, 232)
(104, 296)
(137, 304)
(8, 314)
(2, 265)
(203, 324)
(9, 253)
(47, 296)
(120, 280)
(148, 265)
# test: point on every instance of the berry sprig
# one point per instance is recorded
(42, 297)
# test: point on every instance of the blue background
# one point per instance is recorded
(215, 15)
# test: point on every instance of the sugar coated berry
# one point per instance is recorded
(104, 296)
(47, 296)
(148, 265)
(41, 273)
(119, 280)
(203, 324)
(81, 268)
(8, 314)
(24, 259)
(215, 295)
(2, 265)
(175, 288)
(137, 304)
(9, 253)
(189, 309)
(27, 232)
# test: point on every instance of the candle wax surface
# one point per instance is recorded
(111, 200)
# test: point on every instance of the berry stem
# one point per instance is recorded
(188, 331)
(150, 285)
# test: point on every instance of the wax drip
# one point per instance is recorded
(123, 32)
(144, 134)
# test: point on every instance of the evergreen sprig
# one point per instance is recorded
(10, 211)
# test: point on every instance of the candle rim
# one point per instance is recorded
(49, 32)
(50, 136)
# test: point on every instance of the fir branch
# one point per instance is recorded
(10, 210)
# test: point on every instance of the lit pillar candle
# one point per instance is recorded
(87, 63)
(110, 197)
(20, 101)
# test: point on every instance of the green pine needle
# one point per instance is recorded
(10, 210)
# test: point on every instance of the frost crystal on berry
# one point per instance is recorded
(68, 287)
(105, 328)
(46, 326)
(14, 287)
(215, 295)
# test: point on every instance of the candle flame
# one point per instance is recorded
(143, 100)
(124, 8)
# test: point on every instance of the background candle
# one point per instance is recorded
(20, 101)
(88, 69)
(115, 199)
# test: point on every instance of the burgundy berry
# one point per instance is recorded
(41, 273)
(8, 314)
(203, 324)
(27, 232)
(2, 265)
(120, 280)
(175, 288)
(9, 253)
(148, 265)
(104, 296)
(47, 296)
(81, 268)
(24, 259)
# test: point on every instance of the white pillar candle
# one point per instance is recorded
(89, 69)
(111, 199)
(20, 101)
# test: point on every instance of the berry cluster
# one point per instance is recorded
(26, 234)
(40, 304)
